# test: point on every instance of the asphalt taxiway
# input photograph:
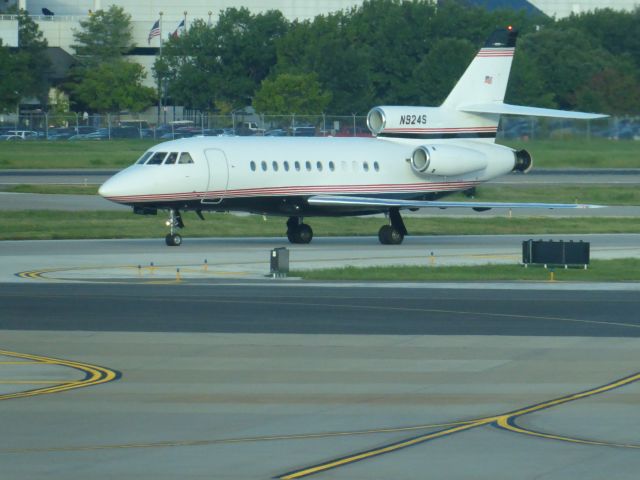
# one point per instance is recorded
(108, 370)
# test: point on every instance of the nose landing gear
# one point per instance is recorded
(174, 239)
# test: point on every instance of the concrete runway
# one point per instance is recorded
(108, 371)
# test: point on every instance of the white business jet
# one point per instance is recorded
(418, 156)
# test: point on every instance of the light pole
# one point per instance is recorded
(160, 87)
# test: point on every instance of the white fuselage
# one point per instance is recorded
(252, 169)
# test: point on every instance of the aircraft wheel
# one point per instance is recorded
(389, 235)
(304, 233)
(173, 240)
(300, 233)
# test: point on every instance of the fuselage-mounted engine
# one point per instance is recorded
(523, 162)
(446, 160)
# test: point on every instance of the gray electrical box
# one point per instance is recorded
(279, 262)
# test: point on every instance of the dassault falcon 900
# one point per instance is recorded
(418, 156)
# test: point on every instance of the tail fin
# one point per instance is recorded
(485, 80)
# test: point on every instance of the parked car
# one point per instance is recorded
(306, 131)
(100, 134)
(276, 132)
(19, 135)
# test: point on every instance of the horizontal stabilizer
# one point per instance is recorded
(506, 109)
(339, 200)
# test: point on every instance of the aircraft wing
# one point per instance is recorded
(339, 200)
(506, 109)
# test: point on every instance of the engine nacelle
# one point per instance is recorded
(523, 161)
(447, 160)
(391, 119)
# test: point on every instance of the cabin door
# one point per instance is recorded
(218, 176)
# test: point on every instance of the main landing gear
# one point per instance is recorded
(392, 234)
(298, 232)
(174, 239)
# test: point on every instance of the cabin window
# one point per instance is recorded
(157, 158)
(286, 166)
(365, 165)
(274, 164)
(185, 158)
(144, 158)
(297, 166)
(253, 166)
(307, 165)
(171, 158)
(332, 166)
(264, 166)
(376, 166)
(319, 166)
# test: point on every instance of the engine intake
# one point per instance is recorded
(420, 159)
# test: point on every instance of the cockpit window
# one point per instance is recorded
(185, 158)
(144, 158)
(171, 158)
(157, 158)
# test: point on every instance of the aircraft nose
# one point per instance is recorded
(113, 188)
(106, 189)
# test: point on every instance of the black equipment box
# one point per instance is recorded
(555, 252)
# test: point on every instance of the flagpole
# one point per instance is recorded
(160, 80)
(185, 21)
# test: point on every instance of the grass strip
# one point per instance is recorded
(54, 189)
(45, 224)
(72, 154)
(625, 269)
(565, 153)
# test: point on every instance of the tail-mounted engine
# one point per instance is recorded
(523, 162)
(394, 120)
(446, 160)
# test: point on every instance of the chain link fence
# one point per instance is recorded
(82, 126)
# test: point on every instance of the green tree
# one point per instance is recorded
(323, 47)
(103, 80)
(616, 30)
(222, 64)
(112, 87)
(11, 85)
(105, 35)
(566, 60)
(437, 73)
(611, 91)
(290, 93)
(28, 64)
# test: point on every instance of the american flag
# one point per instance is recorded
(155, 31)
(488, 80)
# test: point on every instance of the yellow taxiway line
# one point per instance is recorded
(504, 421)
(94, 375)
